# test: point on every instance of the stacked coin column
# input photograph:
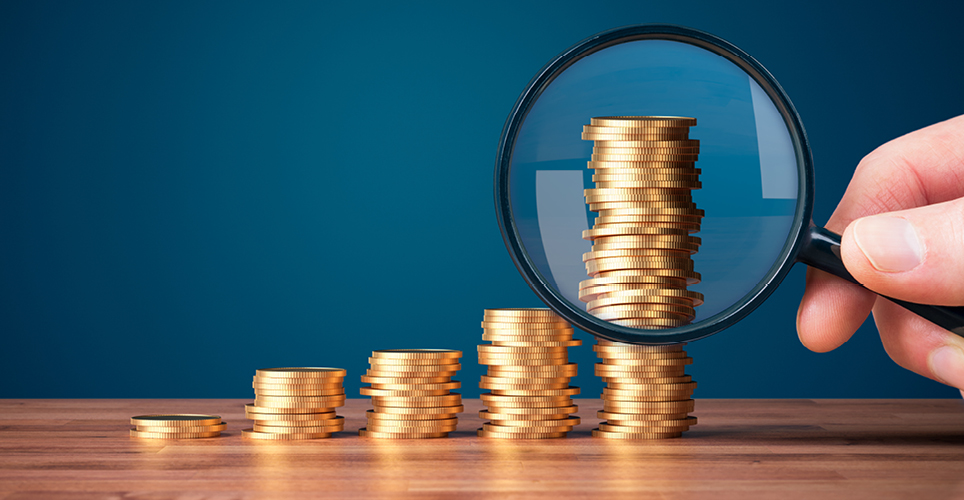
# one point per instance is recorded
(411, 393)
(528, 375)
(647, 393)
(296, 403)
(641, 264)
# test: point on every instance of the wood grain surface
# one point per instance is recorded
(825, 449)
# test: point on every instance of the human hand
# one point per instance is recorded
(902, 220)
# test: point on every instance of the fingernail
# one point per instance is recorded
(889, 243)
(947, 364)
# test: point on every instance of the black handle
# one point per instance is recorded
(822, 251)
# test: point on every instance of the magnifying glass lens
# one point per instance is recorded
(653, 222)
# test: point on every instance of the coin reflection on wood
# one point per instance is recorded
(528, 376)
(640, 266)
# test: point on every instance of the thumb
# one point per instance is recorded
(914, 255)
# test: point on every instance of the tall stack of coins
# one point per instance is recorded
(411, 393)
(177, 426)
(640, 265)
(528, 376)
(647, 393)
(296, 403)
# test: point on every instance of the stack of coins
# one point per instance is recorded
(177, 426)
(411, 393)
(647, 394)
(296, 403)
(640, 263)
(528, 376)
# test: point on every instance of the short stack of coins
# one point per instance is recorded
(647, 393)
(411, 391)
(641, 263)
(296, 403)
(177, 426)
(528, 375)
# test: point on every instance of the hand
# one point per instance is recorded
(902, 220)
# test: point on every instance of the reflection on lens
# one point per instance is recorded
(643, 199)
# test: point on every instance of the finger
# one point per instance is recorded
(917, 169)
(913, 255)
(830, 311)
(920, 346)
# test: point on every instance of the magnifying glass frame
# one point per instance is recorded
(800, 230)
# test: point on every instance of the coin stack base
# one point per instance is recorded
(411, 393)
(177, 426)
(528, 375)
(640, 263)
(648, 394)
(296, 403)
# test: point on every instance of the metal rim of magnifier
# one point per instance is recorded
(798, 230)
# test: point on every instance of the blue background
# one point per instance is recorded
(193, 190)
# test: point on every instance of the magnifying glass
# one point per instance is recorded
(755, 169)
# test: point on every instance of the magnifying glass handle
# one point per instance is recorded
(822, 251)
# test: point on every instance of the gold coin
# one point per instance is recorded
(558, 410)
(497, 349)
(253, 408)
(374, 426)
(626, 230)
(642, 262)
(665, 157)
(412, 401)
(428, 410)
(318, 405)
(619, 435)
(676, 362)
(636, 136)
(524, 336)
(488, 397)
(274, 429)
(290, 418)
(666, 350)
(524, 362)
(408, 417)
(652, 398)
(604, 206)
(640, 295)
(569, 421)
(655, 424)
(511, 429)
(607, 314)
(614, 352)
(639, 195)
(634, 367)
(176, 420)
(569, 391)
(407, 371)
(639, 417)
(452, 384)
(593, 293)
(417, 354)
(252, 434)
(647, 151)
(522, 377)
(256, 385)
(508, 435)
(509, 326)
(610, 427)
(690, 224)
(641, 377)
(691, 277)
(631, 143)
(690, 228)
(646, 185)
(622, 129)
(649, 406)
(561, 367)
(666, 281)
(523, 386)
(530, 343)
(522, 356)
(368, 391)
(496, 405)
(395, 422)
(495, 371)
(643, 121)
(301, 423)
(650, 324)
(173, 435)
(649, 175)
(527, 312)
(648, 253)
(679, 310)
(498, 416)
(332, 392)
(404, 380)
(649, 239)
(364, 432)
(622, 167)
(182, 430)
(632, 383)
(310, 372)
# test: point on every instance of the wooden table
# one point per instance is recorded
(824, 449)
